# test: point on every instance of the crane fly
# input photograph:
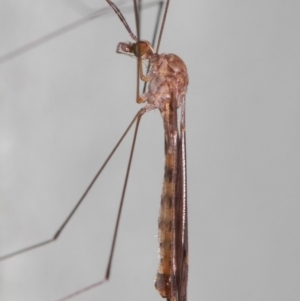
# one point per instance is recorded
(167, 81)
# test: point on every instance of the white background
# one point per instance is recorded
(64, 106)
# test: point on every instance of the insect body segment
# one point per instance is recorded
(167, 76)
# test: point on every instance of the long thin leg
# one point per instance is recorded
(139, 61)
(112, 249)
(107, 274)
(162, 25)
(158, 16)
(61, 228)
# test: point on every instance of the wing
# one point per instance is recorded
(171, 279)
(181, 227)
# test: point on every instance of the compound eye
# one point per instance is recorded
(140, 49)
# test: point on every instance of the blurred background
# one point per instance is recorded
(64, 105)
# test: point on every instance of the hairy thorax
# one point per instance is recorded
(168, 75)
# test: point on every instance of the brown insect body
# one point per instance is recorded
(170, 83)
(168, 80)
